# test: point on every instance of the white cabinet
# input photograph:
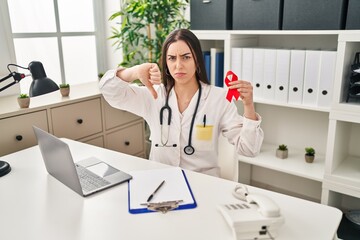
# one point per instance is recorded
(125, 132)
(334, 132)
(77, 120)
(17, 133)
(83, 116)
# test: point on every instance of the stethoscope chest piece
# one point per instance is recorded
(189, 150)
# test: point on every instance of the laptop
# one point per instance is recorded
(85, 177)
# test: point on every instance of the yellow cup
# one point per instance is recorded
(204, 133)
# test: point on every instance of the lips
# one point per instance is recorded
(180, 74)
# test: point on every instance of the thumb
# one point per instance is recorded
(152, 90)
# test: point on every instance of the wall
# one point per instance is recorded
(6, 50)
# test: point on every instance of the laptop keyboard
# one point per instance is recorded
(90, 181)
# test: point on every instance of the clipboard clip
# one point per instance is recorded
(163, 207)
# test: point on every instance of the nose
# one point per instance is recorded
(178, 63)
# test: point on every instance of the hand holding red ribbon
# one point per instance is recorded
(230, 76)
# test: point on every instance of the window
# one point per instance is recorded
(64, 35)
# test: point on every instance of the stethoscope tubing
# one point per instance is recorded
(188, 149)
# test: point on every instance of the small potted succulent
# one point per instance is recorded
(23, 100)
(309, 154)
(282, 151)
(64, 89)
(100, 75)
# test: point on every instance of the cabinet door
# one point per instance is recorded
(116, 117)
(17, 132)
(77, 120)
(128, 140)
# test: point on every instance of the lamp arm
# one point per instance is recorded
(17, 77)
(8, 76)
(7, 86)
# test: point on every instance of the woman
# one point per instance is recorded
(185, 114)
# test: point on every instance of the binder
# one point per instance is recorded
(219, 69)
(296, 79)
(247, 65)
(207, 62)
(236, 61)
(144, 182)
(213, 52)
(282, 75)
(311, 77)
(268, 91)
(258, 72)
(326, 78)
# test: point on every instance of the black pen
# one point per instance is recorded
(204, 120)
(152, 195)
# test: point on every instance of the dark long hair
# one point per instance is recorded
(194, 44)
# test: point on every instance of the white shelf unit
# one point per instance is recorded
(334, 132)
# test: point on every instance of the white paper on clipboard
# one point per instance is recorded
(144, 182)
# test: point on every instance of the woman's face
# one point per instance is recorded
(181, 62)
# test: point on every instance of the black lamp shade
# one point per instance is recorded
(41, 84)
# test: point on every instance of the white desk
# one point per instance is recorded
(34, 205)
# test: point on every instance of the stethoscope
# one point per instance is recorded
(188, 149)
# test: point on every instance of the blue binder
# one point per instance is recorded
(144, 182)
(207, 61)
(219, 69)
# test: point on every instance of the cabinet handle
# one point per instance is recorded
(19, 137)
(79, 121)
(127, 143)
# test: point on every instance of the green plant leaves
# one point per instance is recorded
(145, 25)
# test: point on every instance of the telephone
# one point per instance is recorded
(256, 217)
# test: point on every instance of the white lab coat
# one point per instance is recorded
(245, 134)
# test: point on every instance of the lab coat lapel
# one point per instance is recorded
(176, 115)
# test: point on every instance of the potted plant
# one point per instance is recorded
(64, 89)
(282, 151)
(309, 154)
(144, 26)
(100, 75)
(23, 100)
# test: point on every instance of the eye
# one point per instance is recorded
(186, 57)
(171, 58)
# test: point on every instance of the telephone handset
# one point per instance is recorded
(266, 206)
(256, 217)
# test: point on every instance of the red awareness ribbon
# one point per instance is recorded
(230, 76)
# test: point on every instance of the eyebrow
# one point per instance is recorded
(182, 55)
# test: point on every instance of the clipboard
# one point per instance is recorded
(175, 188)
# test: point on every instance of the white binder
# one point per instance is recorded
(247, 65)
(236, 61)
(282, 75)
(296, 80)
(258, 72)
(268, 90)
(311, 77)
(326, 78)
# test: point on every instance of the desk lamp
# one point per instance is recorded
(40, 85)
